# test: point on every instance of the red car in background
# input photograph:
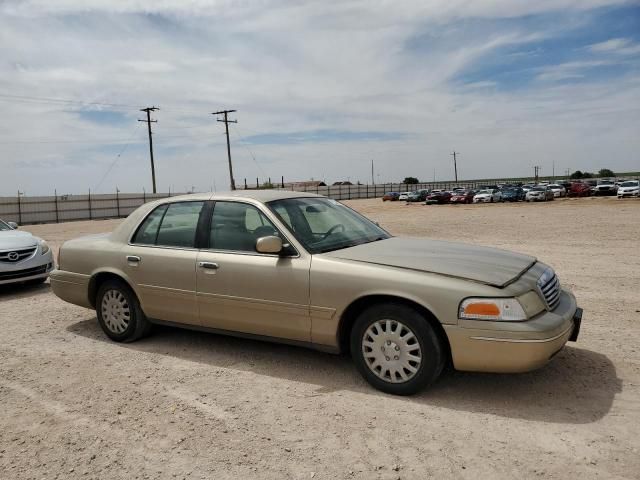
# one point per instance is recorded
(462, 196)
(579, 189)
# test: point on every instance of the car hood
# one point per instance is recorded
(486, 265)
(10, 239)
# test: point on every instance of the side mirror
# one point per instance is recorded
(270, 244)
(13, 225)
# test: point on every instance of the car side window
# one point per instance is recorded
(179, 225)
(237, 226)
(148, 231)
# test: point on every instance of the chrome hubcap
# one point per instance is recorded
(115, 311)
(391, 351)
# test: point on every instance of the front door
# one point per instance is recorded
(245, 291)
(161, 262)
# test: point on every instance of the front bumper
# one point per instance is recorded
(510, 347)
(37, 267)
(628, 194)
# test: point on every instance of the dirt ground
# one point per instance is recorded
(182, 404)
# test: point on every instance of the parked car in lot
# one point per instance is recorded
(418, 196)
(579, 189)
(512, 194)
(391, 196)
(23, 256)
(404, 196)
(488, 196)
(540, 193)
(304, 269)
(438, 197)
(605, 187)
(630, 188)
(462, 196)
(558, 190)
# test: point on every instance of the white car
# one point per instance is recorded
(630, 188)
(23, 257)
(404, 196)
(487, 196)
(558, 190)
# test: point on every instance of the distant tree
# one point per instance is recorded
(605, 172)
(267, 186)
(411, 180)
(587, 175)
(576, 175)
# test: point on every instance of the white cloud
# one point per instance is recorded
(619, 46)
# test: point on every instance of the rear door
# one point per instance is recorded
(245, 291)
(161, 262)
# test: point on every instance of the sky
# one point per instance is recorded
(321, 90)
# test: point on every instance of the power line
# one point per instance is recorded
(226, 125)
(243, 142)
(115, 160)
(149, 122)
(30, 99)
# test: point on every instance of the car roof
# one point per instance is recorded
(262, 196)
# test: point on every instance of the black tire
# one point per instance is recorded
(137, 324)
(432, 358)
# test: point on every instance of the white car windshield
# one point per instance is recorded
(323, 225)
(629, 184)
(4, 226)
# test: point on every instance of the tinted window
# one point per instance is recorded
(236, 226)
(148, 231)
(179, 225)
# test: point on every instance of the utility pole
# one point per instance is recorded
(455, 164)
(553, 170)
(226, 125)
(372, 176)
(536, 171)
(149, 122)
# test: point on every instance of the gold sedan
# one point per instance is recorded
(307, 270)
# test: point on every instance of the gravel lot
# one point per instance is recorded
(183, 404)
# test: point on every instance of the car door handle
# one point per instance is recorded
(133, 259)
(208, 265)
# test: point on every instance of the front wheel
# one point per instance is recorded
(119, 313)
(395, 349)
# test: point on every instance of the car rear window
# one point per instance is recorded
(172, 225)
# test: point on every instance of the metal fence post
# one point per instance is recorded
(19, 209)
(55, 193)
(118, 201)
(90, 212)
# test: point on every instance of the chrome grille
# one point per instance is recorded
(15, 256)
(549, 286)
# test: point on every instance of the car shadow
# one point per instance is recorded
(578, 386)
(21, 290)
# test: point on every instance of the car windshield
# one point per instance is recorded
(322, 224)
(538, 189)
(484, 192)
(4, 226)
(605, 182)
(629, 184)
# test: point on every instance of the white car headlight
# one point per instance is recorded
(44, 247)
(498, 309)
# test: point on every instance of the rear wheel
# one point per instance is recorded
(395, 349)
(119, 312)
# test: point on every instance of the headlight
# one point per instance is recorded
(44, 247)
(499, 309)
